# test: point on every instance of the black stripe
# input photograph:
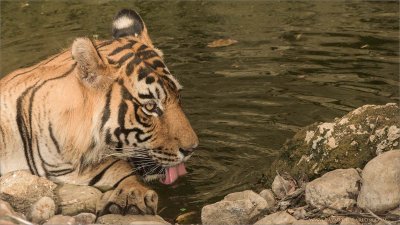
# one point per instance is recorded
(41, 158)
(125, 57)
(148, 54)
(106, 111)
(22, 128)
(141, 48)
(105, 43)
(122, 179)
(98, 177)
(146, 96)
(62, 172)
(143, 72)
(55, 142)
(120, 49)
(131, 65)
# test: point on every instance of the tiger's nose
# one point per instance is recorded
(186, 152)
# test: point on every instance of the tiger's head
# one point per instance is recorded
(139, 118)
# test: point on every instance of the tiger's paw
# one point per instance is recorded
(130, 197)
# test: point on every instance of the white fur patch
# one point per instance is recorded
(123, 22)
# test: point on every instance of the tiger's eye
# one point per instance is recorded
(150, 106)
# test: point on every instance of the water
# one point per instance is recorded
(295, 63)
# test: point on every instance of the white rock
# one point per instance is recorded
(85, 218)
(75, 199)
(349, 221)
(22, 189)
(268, 195)
(131, 219)
(235, 208)
(42, 210)
(380, 190)
(277, 219)
(337, 189)
(310, 222)
(60, 219)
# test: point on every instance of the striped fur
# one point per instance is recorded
(98, 113)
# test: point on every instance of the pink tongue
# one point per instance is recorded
(172, 173)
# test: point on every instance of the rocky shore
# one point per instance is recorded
(342, 172)
(330, 155)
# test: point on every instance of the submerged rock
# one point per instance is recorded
(22, 189)
(336, 189)
(380, 189)
(347, 142)
(235, 208)
(131, 219)
(74, 199)
(277, 219)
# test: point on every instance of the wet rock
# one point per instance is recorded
(130, 219)
(235, 208)
(268, 195)
(310, 222)
(277, 219)
(42, 210)
(60, 219)
(85, 218)
(380, 189)
(349, 221)
(346, 142)
(337, 189)
(22, 189)
(74, 199)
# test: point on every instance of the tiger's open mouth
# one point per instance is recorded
(150, 170)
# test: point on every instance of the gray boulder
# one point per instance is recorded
(337, 189)
(22, 189)
(380, 189)
(75, 199)
(346, 142)
(235, 208)
(131, 219)
(279, 218)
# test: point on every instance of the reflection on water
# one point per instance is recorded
(295, 63)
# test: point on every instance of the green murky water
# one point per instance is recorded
(295, 63)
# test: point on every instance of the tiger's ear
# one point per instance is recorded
(91, 68)
(128, 23)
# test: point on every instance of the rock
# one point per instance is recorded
(346, 142)
(280, 186)
(186, 218)
(85, 218)
(221, 43)
(349, 221)
(9, 216)
(277, 219)
(310, 222)
(268, 195)
(337, 189)
(235, 208)
(42, 210)
(130, 219)
(380, 190)
(298, 213)
(60, 219)
(75, 199)
(22, 189)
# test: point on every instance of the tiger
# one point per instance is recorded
(102, 113)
